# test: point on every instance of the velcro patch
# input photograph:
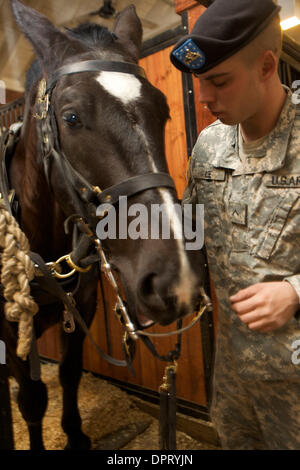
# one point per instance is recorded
(238, 213)
(190, 55)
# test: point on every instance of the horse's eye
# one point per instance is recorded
(72, 119)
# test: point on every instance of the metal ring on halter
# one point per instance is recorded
(75, 266)
(57, 274)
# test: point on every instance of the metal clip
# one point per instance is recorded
(165, 386)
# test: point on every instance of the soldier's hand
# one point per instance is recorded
(266, 306)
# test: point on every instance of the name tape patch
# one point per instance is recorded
(283, 181)
(210, 174)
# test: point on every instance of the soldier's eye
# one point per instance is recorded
(219, 83)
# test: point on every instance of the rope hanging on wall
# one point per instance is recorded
(17, 270)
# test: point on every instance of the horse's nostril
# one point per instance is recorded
(147, 287)
(154, 293)
(149, 292)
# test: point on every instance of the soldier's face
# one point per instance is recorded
(232, 90)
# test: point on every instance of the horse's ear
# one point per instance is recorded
(128, 29)
(45, 38)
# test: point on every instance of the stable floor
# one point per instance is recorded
(110, 417)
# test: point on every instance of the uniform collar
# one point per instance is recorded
(270, 156)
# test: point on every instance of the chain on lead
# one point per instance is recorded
(120, 308)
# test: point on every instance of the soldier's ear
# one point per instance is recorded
(268, 65)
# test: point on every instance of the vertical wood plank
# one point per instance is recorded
(164, 76)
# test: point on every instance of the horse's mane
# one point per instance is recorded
(91, 34)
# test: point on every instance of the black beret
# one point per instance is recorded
(222, 30)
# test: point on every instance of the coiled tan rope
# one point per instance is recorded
(17, 270)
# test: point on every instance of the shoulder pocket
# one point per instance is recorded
(274, 226)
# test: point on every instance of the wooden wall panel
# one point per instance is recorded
(161, 74)
(184, 5)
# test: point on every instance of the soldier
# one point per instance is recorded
(245, 169)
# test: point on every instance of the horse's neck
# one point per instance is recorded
(41, 217)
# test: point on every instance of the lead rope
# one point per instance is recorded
(17, 270)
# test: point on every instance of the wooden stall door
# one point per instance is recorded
(149, 371)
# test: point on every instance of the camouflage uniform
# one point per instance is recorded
(252, 234)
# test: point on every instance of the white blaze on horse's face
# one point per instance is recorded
(124, 86)
(127, 88)
(186, 282)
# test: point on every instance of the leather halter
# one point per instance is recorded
(51, 148)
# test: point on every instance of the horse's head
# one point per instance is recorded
(108, 125)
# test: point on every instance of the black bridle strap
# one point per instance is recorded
(95, 66)
(135, 185)
(129, 187)
(55, 289)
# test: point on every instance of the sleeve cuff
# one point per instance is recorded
(295, 282)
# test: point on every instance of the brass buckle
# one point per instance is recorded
(96, 189)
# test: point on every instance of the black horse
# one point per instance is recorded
(104, 126)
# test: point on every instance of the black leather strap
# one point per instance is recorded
(8, 141)
(95, 66)
(172, 355)
(135, 185)
(54, 288)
